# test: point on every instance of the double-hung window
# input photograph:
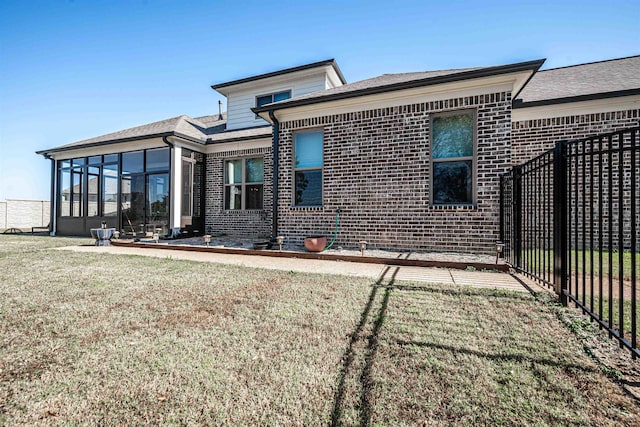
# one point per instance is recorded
(452, 158)
(243, 183)
(272, 97)
(308, 168)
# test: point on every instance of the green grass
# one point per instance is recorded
(535, 259)
(107, 340)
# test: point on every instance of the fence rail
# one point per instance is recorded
(569, 219)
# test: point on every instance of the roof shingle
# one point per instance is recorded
(581, 80)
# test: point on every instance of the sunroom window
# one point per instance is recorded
(452, 158)
(308, 169)
(243, 183)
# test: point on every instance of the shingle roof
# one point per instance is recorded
(579, 81)
(380, 81)
(391, 82)
(203, 130)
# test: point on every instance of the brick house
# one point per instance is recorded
(411, 160)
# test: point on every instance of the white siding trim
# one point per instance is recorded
(240, 145)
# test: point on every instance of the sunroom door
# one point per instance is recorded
(157, 209)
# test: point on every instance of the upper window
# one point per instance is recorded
(452, 158)
(308, 169)
(272, 97)
(243, 183)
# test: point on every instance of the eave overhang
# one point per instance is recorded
(528, 66)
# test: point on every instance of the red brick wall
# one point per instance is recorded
(376, 169)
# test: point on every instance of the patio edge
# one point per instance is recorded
(321, 256)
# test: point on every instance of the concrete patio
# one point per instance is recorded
(450, 276)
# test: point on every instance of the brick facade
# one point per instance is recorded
(530, 138)
(590, 174)
(254, 223)
(377, 169)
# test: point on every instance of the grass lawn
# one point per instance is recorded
(104, 339)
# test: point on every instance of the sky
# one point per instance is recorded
(71, 70)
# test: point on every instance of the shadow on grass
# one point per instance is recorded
(372, 347)
(356, 395)
(520, 358)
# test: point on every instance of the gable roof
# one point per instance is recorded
(391, 82)
(331, 62)
(202, 130)
(595, 80)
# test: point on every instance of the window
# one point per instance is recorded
(272, 97)
(93, 189)
(187, 187)
(110, 188)
(452, 158)
(243, 183)
(308, 169)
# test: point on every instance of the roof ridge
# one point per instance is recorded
(590, 63)
(437, 71)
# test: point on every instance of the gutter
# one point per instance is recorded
(430, 81)
(276, 146)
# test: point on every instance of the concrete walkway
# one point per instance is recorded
(479, 279)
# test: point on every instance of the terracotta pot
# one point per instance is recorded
(315, 243)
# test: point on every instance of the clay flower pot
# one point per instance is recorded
(315, 243)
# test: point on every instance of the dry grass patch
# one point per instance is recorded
(104, 339)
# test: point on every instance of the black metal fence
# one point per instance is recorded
(570, 219)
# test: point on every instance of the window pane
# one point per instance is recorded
(309, 188)
(452, 182)
(132, 162)
(109, 158)
(255, 170)
(308, 148)
(158, 160)
(92, 189)
(109, 192)
(95, 160)
(281, 96)
(187, 188)
(79, 162)
(76, 197)
(452, 136)
(233, 172)
(158, 201)
(65, 192)
(263, 100)
(232, 197)
(254, 196)
(65, 164)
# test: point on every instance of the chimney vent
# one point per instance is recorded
(220, 110)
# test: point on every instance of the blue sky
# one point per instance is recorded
(71, 70)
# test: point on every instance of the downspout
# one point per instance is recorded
(53, 199)
(276, 141)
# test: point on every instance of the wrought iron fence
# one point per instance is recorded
(569, 219)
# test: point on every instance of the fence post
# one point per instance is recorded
(502, 218)
(560, 248)
(517, 215)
